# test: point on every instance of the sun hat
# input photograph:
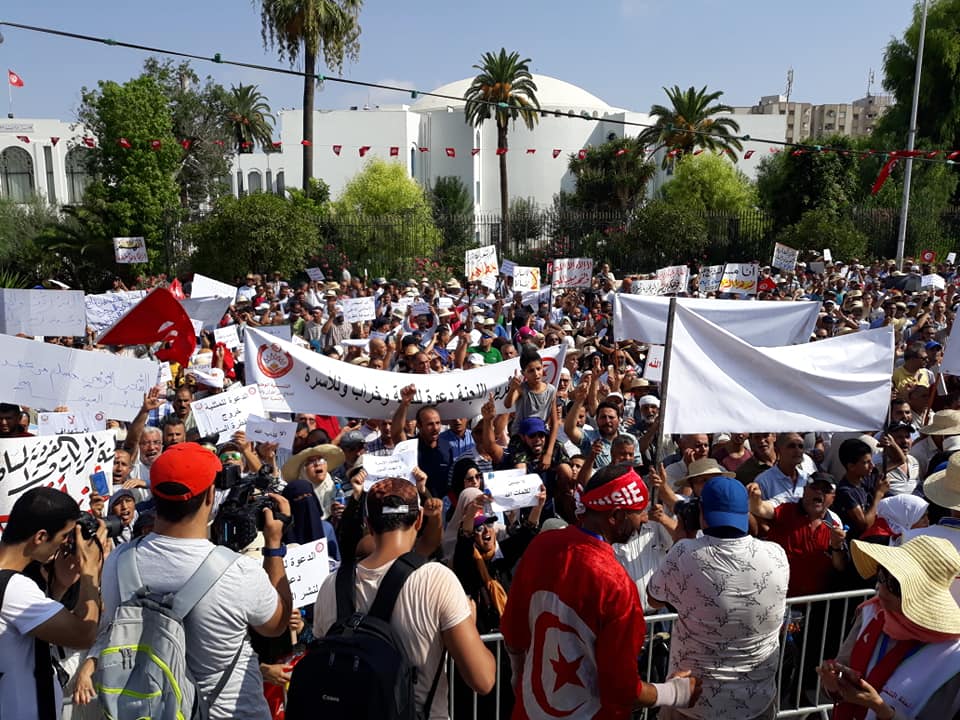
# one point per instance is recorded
(476, 359)
(941, 488)
(725, 503)
(945, 422)
(638, 383)
(925, 567)
(291, 468)
(183, 471)
(705, 466)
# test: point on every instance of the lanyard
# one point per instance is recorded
(592, 534)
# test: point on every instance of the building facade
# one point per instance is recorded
(806, 120)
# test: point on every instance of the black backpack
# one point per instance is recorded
(358, 669)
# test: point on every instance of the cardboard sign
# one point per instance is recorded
(934, 281)
(526, 279)
(104, 310)
(507, 267)
(315, 275)
(71, 423)
(204, 286)
(739, 279)
(359, 309)
(400, 464)
(227, 412)
(271, 431)
(572, 273)
(512, 489)
(481, 265)
(674, 279)
(709, 278)
(653, 367)
(228, 336)
(306, 566)
(785, 257)
(57, 313)
(130, 249)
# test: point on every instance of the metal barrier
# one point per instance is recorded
(819, 622)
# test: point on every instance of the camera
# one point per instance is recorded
(688, 512)
(240, 515)
(89, 525)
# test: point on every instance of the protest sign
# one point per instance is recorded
(934, 281)
(399, 464)
(130, 249)
(739, 279)
(653, 366)
(785, 257)
(827, 257)
(294, 379)
(512, 489)
(572, 273)
(315, 275)
(70, 423)
(63, 462)
(281, 331)
(104, 310)
(204, 286)
(445, 302)
(306, 566)
(227, 412)
(674, 279)
(526, 279)
(818, 267)
(421, 308)
(271, 431)
(228, 336)
(507, 267)
(533, 298)
(481, 265)
(43, 375)
(951, 258)
(647, 287)
(209, 311)
(359, 309)
(164, 374)
(58, 313)
(709, 279)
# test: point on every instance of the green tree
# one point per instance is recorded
(503, 89)
(261, 232)
(710, 184)
(21, 225)
(452, 210)
(381, 206)
(611, 177)
(663, 234)
(305, 28)
(690, 123)
(526, 219)
(823, 227)
(250, 119)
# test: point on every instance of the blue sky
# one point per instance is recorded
(623, 51)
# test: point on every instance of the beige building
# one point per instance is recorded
(806, 120)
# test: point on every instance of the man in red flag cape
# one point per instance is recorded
(159, 317)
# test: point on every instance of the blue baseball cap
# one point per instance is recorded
(725, 504)
(932, 345)
(532, 426)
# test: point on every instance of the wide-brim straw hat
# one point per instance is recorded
(943, 487)
(705, 466)
(925, 567)
(333, 455)
(945, 422)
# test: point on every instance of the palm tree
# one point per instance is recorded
(308, 27)
(691, 123)
(250, 119)
(503, 88)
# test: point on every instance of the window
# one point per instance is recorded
(254, 182)
(241, 191)
(413, 161)
(77, 176)
(16, 174)
(476, 193)
(48, 165)
(269, 181)
(281, 189)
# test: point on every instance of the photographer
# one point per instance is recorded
(41, 522)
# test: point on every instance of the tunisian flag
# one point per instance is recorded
(14, 79)
(159, 317)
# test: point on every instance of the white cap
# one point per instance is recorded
(649, 400)
(476, 359)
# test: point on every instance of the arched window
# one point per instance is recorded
(16, 174)
(254, 184)
(77, 175)
(476, 139)
(281, 190)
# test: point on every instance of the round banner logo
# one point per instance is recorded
(273, 361)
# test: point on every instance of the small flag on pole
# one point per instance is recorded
(14, 79)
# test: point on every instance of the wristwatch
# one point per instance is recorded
(275, 552)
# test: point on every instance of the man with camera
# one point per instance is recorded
(41, 523)
(182, 483)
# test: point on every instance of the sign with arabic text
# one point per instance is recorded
(739, 279)
(227, 412)
(481, 265)
(572, 273)
(130, 249)
(306, 566)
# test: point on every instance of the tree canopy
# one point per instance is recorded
(611, 177)
(710, 183)
(690, 122)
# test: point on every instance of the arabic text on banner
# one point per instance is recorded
(70, 423)
(59, 313)
(481, 264)
(785, 257)
(572, 273)
(399, 464)
(710, 277)
(104, 310)
(359, 309)
(130, 249)
(526, 279)
(227, 412)
(739, 279)
(270, 431)
(674, 279)
(511, 490)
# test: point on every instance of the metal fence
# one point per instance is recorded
(813, 629)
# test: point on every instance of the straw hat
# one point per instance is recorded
(705, 466)
(332, 454)
(943, 488)
(925, 567)
(945, 422)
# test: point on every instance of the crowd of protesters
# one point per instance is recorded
(721, 527)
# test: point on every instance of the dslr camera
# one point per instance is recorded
(240, 515)
(88, 529)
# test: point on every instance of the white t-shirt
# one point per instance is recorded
(25, 607)
(432, 601)
(218, 624)
(642, 554)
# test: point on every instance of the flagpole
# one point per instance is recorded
(665, 380)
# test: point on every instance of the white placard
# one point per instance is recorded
(359, 309)
(526, 279)
(315, 275)
(827, 257)
(674, 279)
(228, 336)
(817, 267)
(421, 308)
(306, 567)
(70, 423)
(480, 265)
(57, 313)
(951, 258)
(204, 286)
(653, 367)
(647, 287)
(572, 273)
(400, 464)
(281, 331)
(197, 326)
(227, 412)
(271, 431)
(709, 279)
(507, 267)
(130, 249)
(164, 374)
(934, 281)
(512, 490)
(739, 279)
(785, 257)
(444, 302)
(104, 310)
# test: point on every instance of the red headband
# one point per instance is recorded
(628, 492)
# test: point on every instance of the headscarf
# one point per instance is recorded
(307, 514)
(498, 596)
(902, 512)
(449, 542)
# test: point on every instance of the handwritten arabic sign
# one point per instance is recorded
(359, 309)
(63, 462)
(104, 310)
(227, 335)
(572, 273)
(710, 277)
(739, 278)
(281, 331)
(934, 281)
(512, 489)
(674, 279)
(785, 257)
(653, 368)
(306, 566)
(526, 278)
(227, 412)
(130, 249)
(399, 465)
(71, 423)
(506, 267)
(269, 431)
(42, 312)
(45, 376)
(481, 265)
(646, 287)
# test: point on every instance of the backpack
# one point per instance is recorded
(142, 669)
(359, 669)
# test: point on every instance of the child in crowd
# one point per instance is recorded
(532, 395)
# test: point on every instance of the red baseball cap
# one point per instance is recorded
(183, 471)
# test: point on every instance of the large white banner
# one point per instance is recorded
(104, 310)
(951, 354)
(45, 376)
(481, 265)
(56, 313)
(63, 462)
(296, 379)
(762, 324)
(719, 383)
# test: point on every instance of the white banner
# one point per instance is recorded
(481, 265)
(359, 309)
(763, 324)
(526, 279)
(104, 310)
(204, 287)
(42, 375)
(130, 249)
(785, 257)
(56, 313)
(63, 462)
(951, 353)
(281, 331)
(653, 366)
(228, 336)
(709, 279)
(647, 287)
(227, 412)
(269, 431)
(674, 279)
(512, 489)
(70, 423)
(572, 273)
(399, 464)
(718, 382)
(294, 379)
(739, 279)
(209, 311)
(306, 566)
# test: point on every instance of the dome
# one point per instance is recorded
(552, 93)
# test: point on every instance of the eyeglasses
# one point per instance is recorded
(316, 460)
(888, 581)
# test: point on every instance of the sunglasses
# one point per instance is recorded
(888, 581)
